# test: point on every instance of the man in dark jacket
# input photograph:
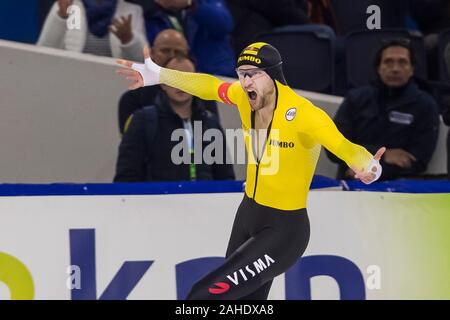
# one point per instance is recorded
(147, 152)
(394, 113)
(168, 43)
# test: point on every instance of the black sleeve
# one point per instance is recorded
(422, 144)
(424, 139)
(134, 100)
(344, 122)
(392, 171)
(130, 165)
(129, 102)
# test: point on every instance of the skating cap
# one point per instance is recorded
(264, 56)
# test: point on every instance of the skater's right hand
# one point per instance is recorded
(374, 171)
(140, 74)
(63, 5)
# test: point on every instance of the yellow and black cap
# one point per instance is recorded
(264, 56)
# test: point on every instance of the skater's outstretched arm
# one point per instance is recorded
(204, 86)
(365, 165)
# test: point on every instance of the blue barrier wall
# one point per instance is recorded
(319, 182)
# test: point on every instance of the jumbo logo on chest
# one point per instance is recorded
(281, 144)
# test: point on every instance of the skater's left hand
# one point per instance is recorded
(140, 74)
(373, 172)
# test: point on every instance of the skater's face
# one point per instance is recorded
(257, 85)
(395, 67)
(175, 95)
(168, 44)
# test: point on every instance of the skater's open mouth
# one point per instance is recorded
(252, 95)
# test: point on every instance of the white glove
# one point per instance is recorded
(374, 164)
(149, 71)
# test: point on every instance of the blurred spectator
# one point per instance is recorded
(321, 12)
(394, 113)
(145, 153)
(168, 44)
(112, 28)
(206, 24)
(257, 16)
(432, 16)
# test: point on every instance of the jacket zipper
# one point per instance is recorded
(265, 143)
(256, 180)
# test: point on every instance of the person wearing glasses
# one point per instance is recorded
(283, 133)
(391, 112)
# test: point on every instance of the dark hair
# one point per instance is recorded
(180, 57)
(399, 42)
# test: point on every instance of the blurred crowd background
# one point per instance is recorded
(390, 60)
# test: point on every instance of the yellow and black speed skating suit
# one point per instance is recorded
(271, 228)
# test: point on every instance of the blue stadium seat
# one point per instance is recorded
(352, 15)
(308, 55)
(444, 40)
(361, 47)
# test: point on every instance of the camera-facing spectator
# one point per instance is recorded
(113, 28)
(145, 153)
(394, 113)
